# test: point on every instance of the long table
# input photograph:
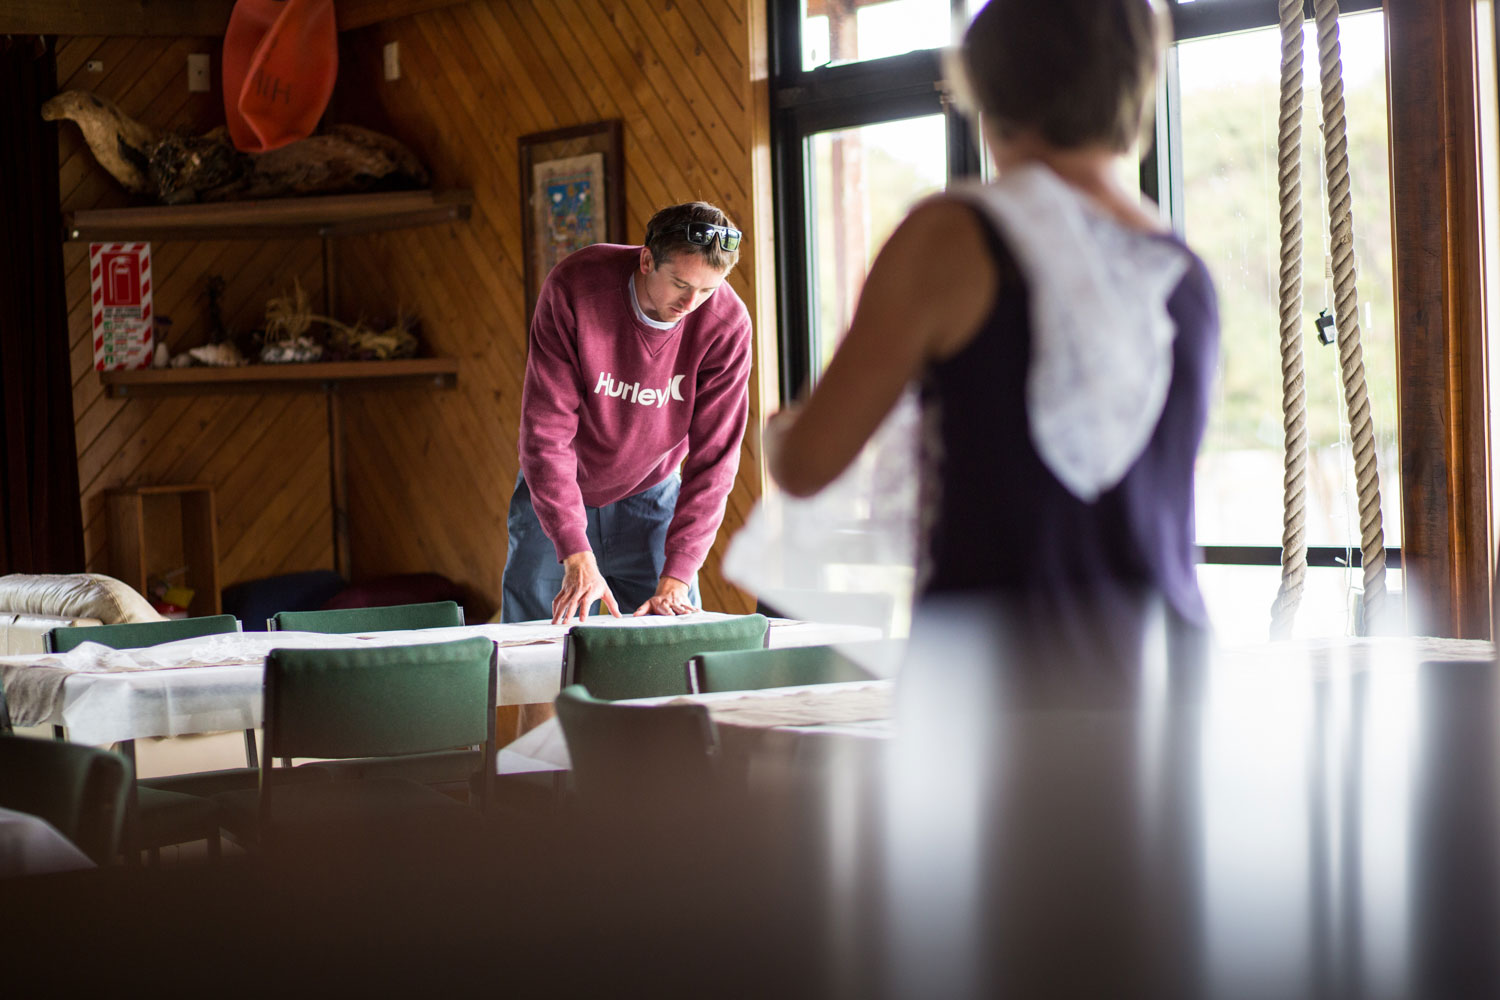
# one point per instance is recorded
(213, 683)
(749, 722)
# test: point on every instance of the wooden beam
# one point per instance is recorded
(205, 18)
(173, 18)
(352, 14)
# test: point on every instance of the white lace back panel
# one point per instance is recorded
(1101, 338)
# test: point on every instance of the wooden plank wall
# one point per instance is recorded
(266, 456)
(430, 474)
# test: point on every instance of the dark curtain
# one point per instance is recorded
(41, 522)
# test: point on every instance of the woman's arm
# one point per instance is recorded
(926, 294)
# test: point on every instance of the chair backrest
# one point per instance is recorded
(637, 755)
(138, 634)
(80, 790)
(615, 662)
(752, 669)
(380, 701)
(396, 618)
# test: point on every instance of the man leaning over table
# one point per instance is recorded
(635, 401)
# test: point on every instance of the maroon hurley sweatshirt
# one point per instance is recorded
(611, 406)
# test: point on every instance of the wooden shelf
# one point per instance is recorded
(329, 215)
(316, 376)
(156, 529)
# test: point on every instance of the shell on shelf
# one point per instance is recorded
(286, 351)
(224, 355)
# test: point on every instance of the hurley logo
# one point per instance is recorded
(632, 392)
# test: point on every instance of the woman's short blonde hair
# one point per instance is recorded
(1076, 72)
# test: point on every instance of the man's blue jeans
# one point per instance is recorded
(629, 539)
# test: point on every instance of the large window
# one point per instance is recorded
(1221, 129)
(862, 132)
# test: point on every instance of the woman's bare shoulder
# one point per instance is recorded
(951, 268)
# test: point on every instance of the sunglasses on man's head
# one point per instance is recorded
(703, 233)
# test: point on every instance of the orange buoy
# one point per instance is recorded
(280, 61)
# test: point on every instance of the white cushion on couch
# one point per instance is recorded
(74, 596)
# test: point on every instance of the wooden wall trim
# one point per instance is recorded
(766, 382)
(1440, 319)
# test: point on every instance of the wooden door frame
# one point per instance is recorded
(1437, 229)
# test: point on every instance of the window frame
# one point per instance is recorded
(828, 98)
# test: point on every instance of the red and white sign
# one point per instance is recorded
(120, 287)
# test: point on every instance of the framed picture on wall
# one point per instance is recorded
(572, 195)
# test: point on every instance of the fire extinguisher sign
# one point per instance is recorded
(120, 276)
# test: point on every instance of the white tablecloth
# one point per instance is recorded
(29, 845)
(156, 699)
(544, 749)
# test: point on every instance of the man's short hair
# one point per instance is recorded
(666, 235)
(1077, 72)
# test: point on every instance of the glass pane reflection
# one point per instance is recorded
(835, 32)
(863, 182)
(1229, 101)
(1239, 601)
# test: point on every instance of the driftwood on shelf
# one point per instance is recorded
(176, 167)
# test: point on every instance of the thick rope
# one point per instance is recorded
(1346, 309)
(1293, 382)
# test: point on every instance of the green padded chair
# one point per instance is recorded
(135, 635)
(80, 790)
(447, 769)
(366, 702)
(642, 758)
(615, 663)
(396, 618)
(753, 669)
(176, 808)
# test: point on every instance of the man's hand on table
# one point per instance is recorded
(582, 585)
(671, 598)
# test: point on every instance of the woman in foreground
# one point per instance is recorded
(1063, 338)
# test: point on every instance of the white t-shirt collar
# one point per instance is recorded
(640, 313)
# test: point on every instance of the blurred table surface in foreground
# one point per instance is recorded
(1294, 820)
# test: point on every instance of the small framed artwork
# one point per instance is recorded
(572, 195)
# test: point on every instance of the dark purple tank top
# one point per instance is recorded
(1000, 522)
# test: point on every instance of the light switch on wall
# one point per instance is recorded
(392, 61)
(198, 72)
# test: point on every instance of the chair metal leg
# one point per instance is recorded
(132, 832)
(252, 757)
